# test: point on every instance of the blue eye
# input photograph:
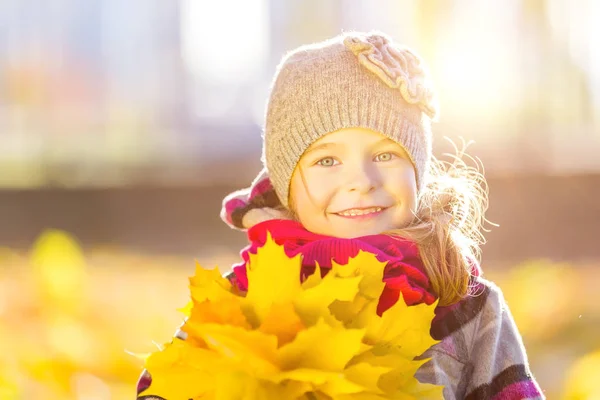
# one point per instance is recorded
(385, 156)
(326, 162)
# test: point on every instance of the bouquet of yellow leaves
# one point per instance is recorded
(286, 339)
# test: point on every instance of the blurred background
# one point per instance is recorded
(123, 124)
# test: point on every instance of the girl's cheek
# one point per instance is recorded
(405, 177)
(321, 196)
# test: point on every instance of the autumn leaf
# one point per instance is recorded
(175, 375)
(228, 311)
(313, 302)
(274, 277)
(252, 350)
(366, 265)
(208, 284)
(321, 347)
(321, 339)
(402, 327)
(283, 322)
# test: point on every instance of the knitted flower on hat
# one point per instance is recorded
(398, 67)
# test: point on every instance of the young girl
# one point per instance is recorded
(348, 167)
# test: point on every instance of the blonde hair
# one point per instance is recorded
(449, 222)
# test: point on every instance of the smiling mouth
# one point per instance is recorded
(361, 212)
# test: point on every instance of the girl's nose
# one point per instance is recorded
(363, 180)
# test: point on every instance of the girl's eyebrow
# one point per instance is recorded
(329, 145)
(321, 146)
(382, 142)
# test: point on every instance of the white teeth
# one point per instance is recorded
(355, 212)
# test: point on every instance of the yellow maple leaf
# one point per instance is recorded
(367, 375)
(175, 374)
(228, 311)
(208, 276)
(366, 265)
(208, 284)
(321, 339)
(312, 344)
(357, 312)
(283, 322)
(187, 309)
(402, 326)
(250, 350)
(275, 278)
(313, 302)
(351, 313)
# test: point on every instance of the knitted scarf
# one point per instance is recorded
(404, 272)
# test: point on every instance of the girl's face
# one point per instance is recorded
(354, 182)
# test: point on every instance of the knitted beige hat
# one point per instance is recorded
(352, 80)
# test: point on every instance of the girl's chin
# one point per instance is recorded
(357, 226)
(356, 229)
